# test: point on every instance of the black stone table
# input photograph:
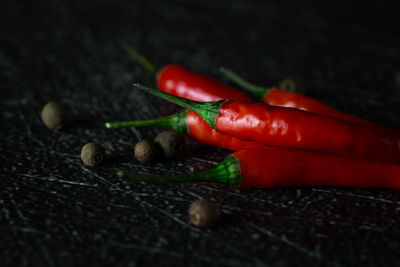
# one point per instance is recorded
(55, 211)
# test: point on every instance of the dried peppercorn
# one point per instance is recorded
(146, 151)
(397, 78)
(171, 143)
(204, 213)
(289, 85)
(55, 115)
(92, 154)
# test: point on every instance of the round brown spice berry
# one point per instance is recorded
(204, 213)
(290, 85)
(55, 116)
(93, 154)
(397, 78)
(171, 144)
(146, 151)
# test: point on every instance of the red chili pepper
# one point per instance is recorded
(283, 167)
(291, 128)
(191, 123)
(177, 80)
(278, 97)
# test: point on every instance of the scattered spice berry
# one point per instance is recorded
(204, 213)
(171, 143)
(289, 85)
(397, 78)
(55, 115)
(92, 154)
(146, 151)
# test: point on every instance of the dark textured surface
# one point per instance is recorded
(54, 211)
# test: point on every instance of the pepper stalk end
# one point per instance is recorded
(227, 172)
(209, 111)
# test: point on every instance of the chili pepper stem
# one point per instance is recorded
(228, 172)
(175, 122)
(257, 91)
(139, 57)
(209, 111)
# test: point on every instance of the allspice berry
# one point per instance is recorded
(290, 85)
(146, 151)
(55, 115)
(204, 213)
(171, 143)
(93, 154)
(397, 78)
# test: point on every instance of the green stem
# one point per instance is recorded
(175, 122)
(209, 111)
(139, 57)
(228, 172)
(257, 91)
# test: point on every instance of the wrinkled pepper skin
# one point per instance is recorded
(191, 123)
(202, 132)
(283, 168)
(177, 80)
(292, 128)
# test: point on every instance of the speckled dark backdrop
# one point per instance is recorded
(54, 211)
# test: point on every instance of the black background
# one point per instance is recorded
(54, 211)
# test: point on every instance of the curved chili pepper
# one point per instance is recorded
(189, 122)
(291, 128)
(284, 167)
(278, 97)
(177, 80)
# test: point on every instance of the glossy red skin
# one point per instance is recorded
(202, 132)
(179, 81)
(277, 97)
(282, 168)
(293, 128)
